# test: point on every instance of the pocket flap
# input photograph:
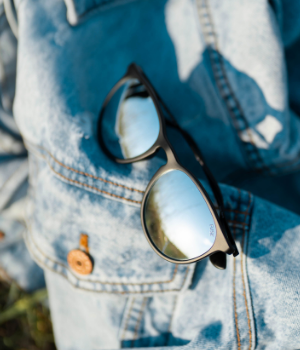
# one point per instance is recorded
(123, 261)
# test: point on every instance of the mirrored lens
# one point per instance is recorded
(130, 124)
(177, 218)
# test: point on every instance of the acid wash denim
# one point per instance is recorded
(229, 72)
(15, 262)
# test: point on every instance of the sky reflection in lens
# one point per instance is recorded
(130, 124)
(177, 217)
(137, 125)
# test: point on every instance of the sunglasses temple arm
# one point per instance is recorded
(198, 155)
(213, 183)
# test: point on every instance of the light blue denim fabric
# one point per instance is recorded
(15, 261)
(228, 72)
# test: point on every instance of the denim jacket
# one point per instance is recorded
(229, 73)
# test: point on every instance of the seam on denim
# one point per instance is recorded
(234, 289)
(230, 94)
(236, 211)
(95, 177)
(83, 173)
(173, 311)
(138, 323)
(244, 294)
(249, 203)
(80, 183)
(243, 224)
(91, 281)
(93, 187)
(232, 210)
(234, 303)
(99, 282)
(249, 290)
(42, 264)
(243, 279)
(127, 320)
(226, 209)
(148, 283)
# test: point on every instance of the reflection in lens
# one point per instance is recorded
(130, 125)
(177, 218)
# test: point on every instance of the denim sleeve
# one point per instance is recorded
(15, 262)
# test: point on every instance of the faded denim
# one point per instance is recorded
(15, 262)
(229, 73)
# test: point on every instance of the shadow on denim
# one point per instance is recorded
(164, 339)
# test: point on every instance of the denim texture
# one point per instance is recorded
(15, 262)
(229, 73)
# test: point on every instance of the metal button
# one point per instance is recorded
(80, 262)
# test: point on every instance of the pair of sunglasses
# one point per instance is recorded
(179, 219)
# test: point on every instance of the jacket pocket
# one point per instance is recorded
(65, 205)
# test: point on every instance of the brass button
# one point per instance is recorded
(2, 235)
(80, 262)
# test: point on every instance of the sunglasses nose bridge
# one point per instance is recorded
(171, 158)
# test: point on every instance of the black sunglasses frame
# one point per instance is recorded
(224, 242)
